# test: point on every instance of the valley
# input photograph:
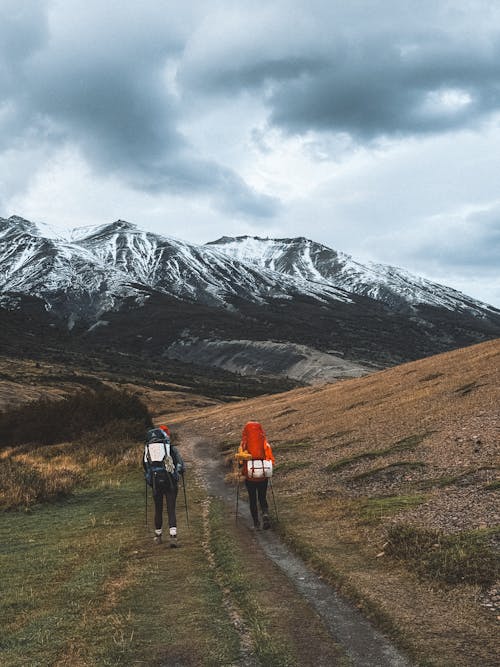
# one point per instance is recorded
(386, 486)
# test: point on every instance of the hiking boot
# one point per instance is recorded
(266, 524)
(173, 537)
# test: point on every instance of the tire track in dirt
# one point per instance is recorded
(364, 645)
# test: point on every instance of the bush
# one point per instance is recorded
(47, 421)
(24, 484)
(463, 557)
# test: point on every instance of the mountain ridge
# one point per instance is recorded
(117, 285)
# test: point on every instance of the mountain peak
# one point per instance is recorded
(100, 231)
(21, 224)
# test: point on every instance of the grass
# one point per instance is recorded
(294, 445)
(49, 421)
(448, 480)
(407, 465)
(463, 557)
(405, 444)
(376, 509)
(270, 648)
(23, 484)
(290, 466)
(83, 585)
(38, 471)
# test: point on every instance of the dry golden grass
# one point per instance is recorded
(439, 416)
(417, 445)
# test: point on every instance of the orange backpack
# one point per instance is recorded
(253, 440)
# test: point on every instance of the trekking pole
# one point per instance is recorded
(185, 499)
(237, 496)
(274, 499)
(146, 500)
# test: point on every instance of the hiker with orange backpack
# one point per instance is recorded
(256, 460)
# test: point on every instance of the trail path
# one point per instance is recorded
(365, 646)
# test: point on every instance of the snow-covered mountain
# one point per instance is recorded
(99, 266)
(307, 260)
(133, 290)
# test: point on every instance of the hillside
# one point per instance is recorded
(386, 485)
(388, 482)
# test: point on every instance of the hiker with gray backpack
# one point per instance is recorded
(163, 466)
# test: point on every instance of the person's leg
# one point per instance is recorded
(171, 496)
(262, 492)
(158, 499)
(252, 499)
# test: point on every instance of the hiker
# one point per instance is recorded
(255, 458)
(162, 466)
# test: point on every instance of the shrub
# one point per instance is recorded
(23, 484)
(49, 421)
(462, 557)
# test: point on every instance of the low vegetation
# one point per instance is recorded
(416, 446)
(405, 444)
(47, 421)
(465, 557)
(23, 484)
(377, 509)
(406, 465)
(105, 424)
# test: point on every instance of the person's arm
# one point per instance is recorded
(178, 460)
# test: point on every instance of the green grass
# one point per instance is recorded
(81, 579)
(287, 446)
(464, 557)
(403, 445)
(408, 465)
(290, 466)
(349, 460)
(271, 648)
(375, 509)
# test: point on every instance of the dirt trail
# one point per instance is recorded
(365, 646)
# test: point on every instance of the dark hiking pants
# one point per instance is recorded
(257, 489)
(170, 493)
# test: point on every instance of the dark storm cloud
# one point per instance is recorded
(368, 69)
(95, 76)
(378, 89)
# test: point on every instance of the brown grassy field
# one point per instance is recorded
(389, 484)
(83, 583)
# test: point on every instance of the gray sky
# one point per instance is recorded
(370, 126)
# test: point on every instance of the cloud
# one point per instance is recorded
(469, 242)
(369, 125)
(95, 76)
(371, 70)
